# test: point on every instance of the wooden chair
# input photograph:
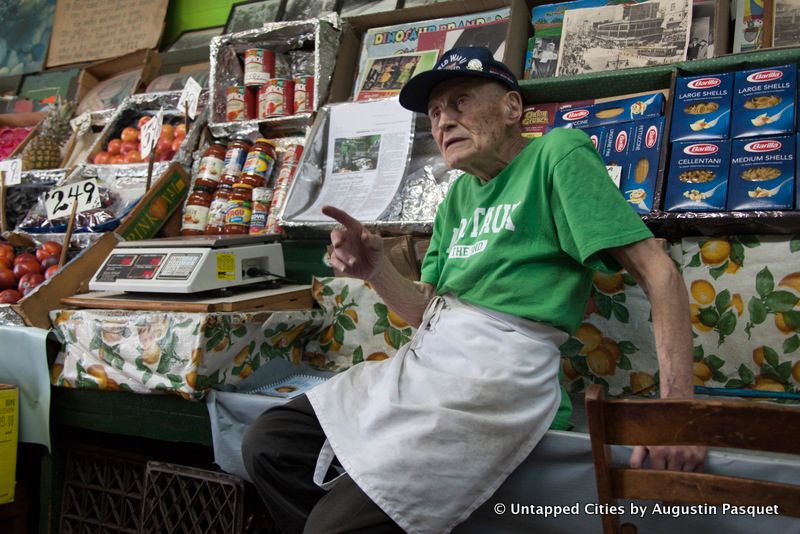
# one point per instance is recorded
(712, 423)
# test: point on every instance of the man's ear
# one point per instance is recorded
(513, 106)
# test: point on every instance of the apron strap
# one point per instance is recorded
(324, 461)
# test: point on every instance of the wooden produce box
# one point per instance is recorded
(347, 60)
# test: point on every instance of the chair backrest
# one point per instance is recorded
(712, 423)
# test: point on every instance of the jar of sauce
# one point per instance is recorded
(211, 166)
(240, 210)
(216, 212)
(235, 156)
(259, 164)
(195, 213)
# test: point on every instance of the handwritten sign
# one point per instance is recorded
(151, 131)
(12, 171)
(189, 97)
(58, 201)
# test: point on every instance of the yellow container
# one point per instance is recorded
(9, 425)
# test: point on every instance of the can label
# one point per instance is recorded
(210, 169)
(258, 163)
(234, 161)
(276, 98)
(239, 213)
(303, 94)
(259, 66)
(235, 103)
(195, 217)
(275, 206)
(261, 202)
(216, 213)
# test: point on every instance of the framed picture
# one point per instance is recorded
(198, 38)
(307, 9)
(252, 14)
(352, 8)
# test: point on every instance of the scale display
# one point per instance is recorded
(131, 267)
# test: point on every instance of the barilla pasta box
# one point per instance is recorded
(698, 176)
(597, 136)
(702, 107)
(538, 119)
(615, 151)
(762, 174)
(644, 151)
(764, 102)
(797, 173)
(646, 106)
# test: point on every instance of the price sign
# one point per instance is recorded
(189, 97)
(59, 201)
(151, 131)
(12, 171)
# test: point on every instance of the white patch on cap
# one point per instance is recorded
(475, 64)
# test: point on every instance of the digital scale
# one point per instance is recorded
(189, 264)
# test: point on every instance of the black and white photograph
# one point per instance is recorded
(415, 3)
(252, 14)
(195, 38)
(787, 23)
(701, 36)
(354, 8)
(356, 154)
(545, 57)
(307, 9)
(623, 36)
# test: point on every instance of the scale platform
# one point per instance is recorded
(191, 264)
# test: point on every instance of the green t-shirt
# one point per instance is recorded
(526, 242)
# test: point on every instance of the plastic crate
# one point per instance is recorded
(103, 492)
(180, 499)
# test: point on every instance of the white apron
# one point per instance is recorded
(431, 433)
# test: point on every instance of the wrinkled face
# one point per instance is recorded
(467, 120)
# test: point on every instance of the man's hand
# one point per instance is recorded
(682, 458)
(356, 251)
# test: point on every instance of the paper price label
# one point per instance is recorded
(58, 201)
(151, 131)
(12, 171)
(189, 97)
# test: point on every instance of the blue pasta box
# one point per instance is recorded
(698, 176)
(614, 150)
(702, 107)
(762, 174)
(797, 174)
(645, 106)
(597, 136)
(764, 101)
(644, 152)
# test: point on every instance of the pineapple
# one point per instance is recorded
(44, 150)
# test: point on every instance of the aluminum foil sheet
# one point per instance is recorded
(8, 317)
(413, 208)
(317, 37)
(133, 107)
(20, 198)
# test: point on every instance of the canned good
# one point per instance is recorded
(262, 196)
(235, 103)
(276, 98)
(303, 94)
(259, 66)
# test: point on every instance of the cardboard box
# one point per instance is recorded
(597, 136)
(155, 208)
(762, 174)
(698, 176)
(538, 119)
(702, 107)
(622, 109)
(347, 61)
(9, 432)
(146, 62)
(615, 150)
(644, 155)
(764, 102)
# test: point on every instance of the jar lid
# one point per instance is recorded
(239, 185)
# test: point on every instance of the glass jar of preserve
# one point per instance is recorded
(195, 213)
(240, 210)
(216, 212)
(211, 166)
(235, 156)
(259, 164)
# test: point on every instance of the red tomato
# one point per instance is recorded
(10, 296)
(51, 272)
(6, 262)
(163, 145)
(114, 146)
(167, 131)
(128, 146)
(29, 281)
(25, 256)
(53, 248)
(27, 267)
(176, 144)
(102, 158)
(116, 160)
(49, 261)
(130, 134)
(143, 121)
(7, 279)
(180, 130)
(133, 157)
(6, 249)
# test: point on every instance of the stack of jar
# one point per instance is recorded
(264, 96)
(230, 180)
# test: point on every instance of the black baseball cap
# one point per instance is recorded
(470, 61)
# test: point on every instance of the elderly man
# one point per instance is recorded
(419, 441)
